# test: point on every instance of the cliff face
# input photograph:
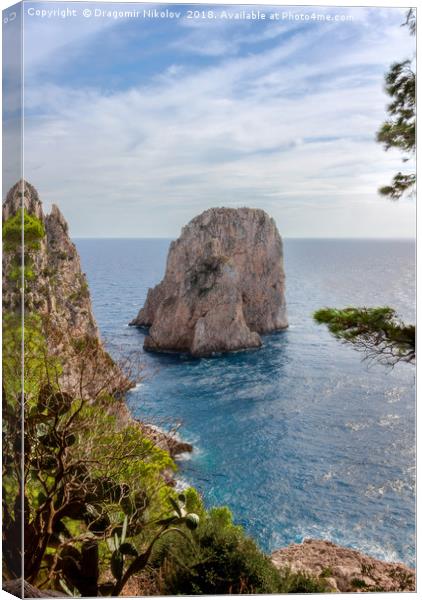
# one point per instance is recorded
(56, 290)
(223, 286)
(344, 569)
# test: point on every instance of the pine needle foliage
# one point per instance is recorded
(399, 130)
(378, 332)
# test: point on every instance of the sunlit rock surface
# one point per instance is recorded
(223, 286)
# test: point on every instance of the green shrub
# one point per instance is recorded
(302, 583)
(225, 560)
(358, 583)
(33, 231)
(82, 292)
(15, 273)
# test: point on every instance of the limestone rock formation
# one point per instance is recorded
(344, 569)
(223, 286)
(56, 290)
(168, 441)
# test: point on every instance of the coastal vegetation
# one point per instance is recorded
(91, 493)
(21, 271)
(399, 130)
(84, 480)
(378, 332)
(33, 232)
(223, 560)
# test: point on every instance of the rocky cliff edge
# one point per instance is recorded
(56, 291)
(344, 569)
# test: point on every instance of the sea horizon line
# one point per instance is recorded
(319, 238)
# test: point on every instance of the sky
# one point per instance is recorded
(134, 125)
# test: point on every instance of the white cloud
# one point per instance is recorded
(249, 130)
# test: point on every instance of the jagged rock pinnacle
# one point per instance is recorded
(22, 195)
(57, 292)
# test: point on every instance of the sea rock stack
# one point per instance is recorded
(223, 286)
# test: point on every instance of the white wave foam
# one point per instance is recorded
(388, 420)
(356, 426)
(396, 485)
(181, 484)
(385, 552)
(184, 456)
(394, 395)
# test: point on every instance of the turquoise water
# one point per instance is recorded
(300, 438)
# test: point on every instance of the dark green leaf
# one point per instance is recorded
(116, 564)
(176, 506)
(128, 549)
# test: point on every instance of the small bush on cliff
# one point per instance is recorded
(33, 231)
(16, 273)
(223, 560)
(302, 583)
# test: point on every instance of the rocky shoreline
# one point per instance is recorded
(169, 442)
(344, 569)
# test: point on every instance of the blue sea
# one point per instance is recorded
(301, 438)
